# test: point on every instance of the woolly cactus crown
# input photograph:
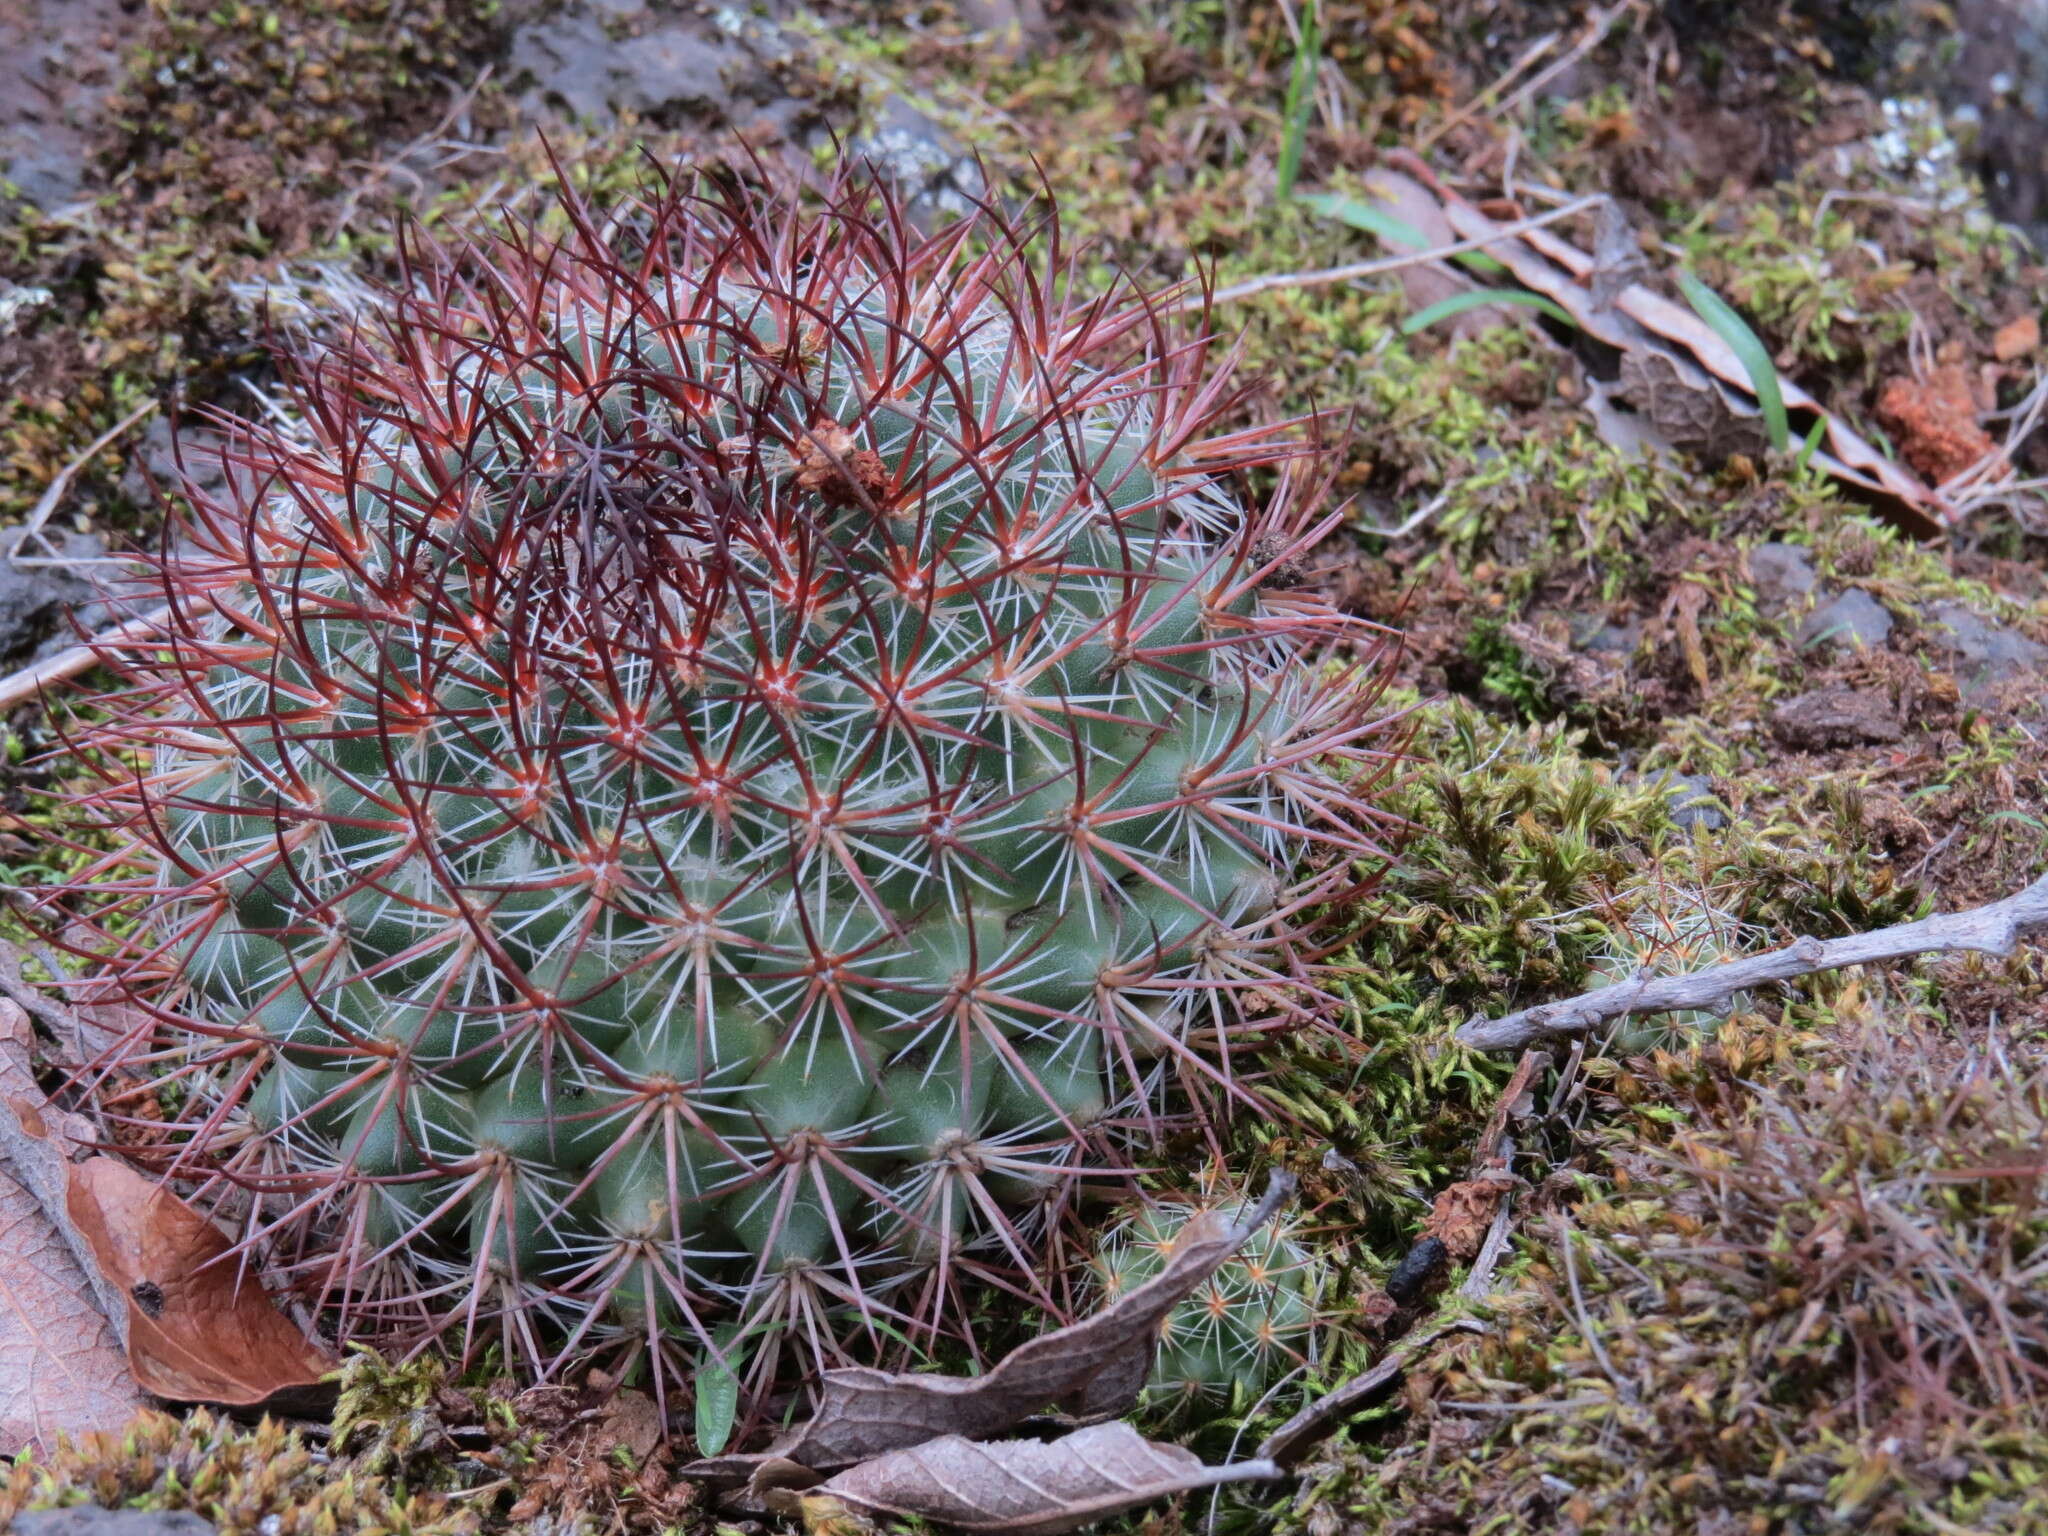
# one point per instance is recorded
(729, 763)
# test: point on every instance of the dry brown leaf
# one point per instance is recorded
(1096, 1366)
(200, 1329)
(1688, 410)
(1027, 1487)
(61, 1365)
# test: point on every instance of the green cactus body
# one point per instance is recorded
(1661, 931)
(715, 784)
(1241, 1330)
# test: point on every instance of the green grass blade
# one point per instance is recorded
(1808, 448)
(1301, 98)
(1477, 298)
(1749, 350)
(1375, 221)
(1388, 227)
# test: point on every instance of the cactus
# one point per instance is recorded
(729, 763)
(1241, 1330)
(1657, 930)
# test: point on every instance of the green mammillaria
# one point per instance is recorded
(1238, 1333)
(730, 767)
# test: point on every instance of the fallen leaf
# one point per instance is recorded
(201, 1329)
(1617, 256)
(1028, 1487)
(1687, 410)
(61, 1365)
(195, 1326)
(1094, 1367)
(1836, 717)
(632, 1420)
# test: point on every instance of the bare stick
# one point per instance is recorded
(1321, 1417)
(53, 494)
(1994, 929)
(67, 664)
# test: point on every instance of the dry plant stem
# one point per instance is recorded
(53, 494)
(1598, 25)
(1321, 1417)
(67, 664)
(1993, 929)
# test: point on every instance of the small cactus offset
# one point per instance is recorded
(1658, 930)
(732, 761)
(1242, 1329)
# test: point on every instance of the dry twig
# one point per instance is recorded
(1994, 929)
(53, 494)
(1320, 1418)
(69, 663)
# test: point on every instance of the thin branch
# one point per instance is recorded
(69, 663)
(1357, 269)
(1320, 1418)
(53, 493)
(1994, 929)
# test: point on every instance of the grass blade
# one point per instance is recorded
(1301, 98)
(1378, 222)
(1477, 298)
(1749, 350)
(1389, 228)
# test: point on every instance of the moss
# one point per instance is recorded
(265, 1481)
(1799, 1309)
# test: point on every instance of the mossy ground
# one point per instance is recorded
(1784, 1275)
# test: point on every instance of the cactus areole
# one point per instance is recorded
(720, 769)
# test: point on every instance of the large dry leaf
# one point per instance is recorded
(61, 1365)
(194, 1325)
(200, 1329)
(1029, 1487)
(1094, 1367)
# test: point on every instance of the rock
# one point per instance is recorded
(1836, 717)
(1781, 572)
(1592, 632)
(932, 170)
(58, 63)
(1987, 655)
(576, 64)
(36, 601)
(600, 58)
(1008, 29)
(92, 1520)
(1693, 803)
(1854, 618)
(153, 463)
